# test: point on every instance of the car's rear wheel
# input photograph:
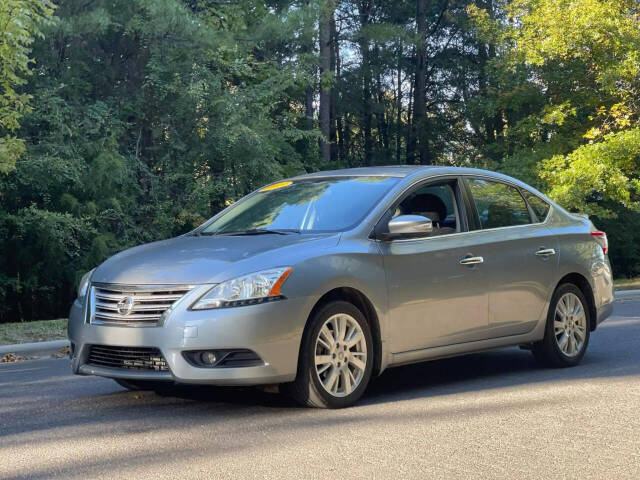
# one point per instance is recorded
(336, 358)
(142, 385)
(567, 331)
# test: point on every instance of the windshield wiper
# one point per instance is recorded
(255, 231)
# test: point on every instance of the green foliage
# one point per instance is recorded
(148, 117)
(20, 22)
(597, 175)
(599, 51)
(567, 88)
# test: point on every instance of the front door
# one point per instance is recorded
(435, 300)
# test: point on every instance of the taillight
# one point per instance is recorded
(601, 237)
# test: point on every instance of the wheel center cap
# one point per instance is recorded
(341, 355)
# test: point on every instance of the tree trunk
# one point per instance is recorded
(339, 119)
(308, 107)
(399, 106)
(410, 141)
(419, 101)
(307, 49)
(365, 12)
(326, 17)
(335, 52)
(381, 116)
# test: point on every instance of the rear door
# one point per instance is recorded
(519, 252)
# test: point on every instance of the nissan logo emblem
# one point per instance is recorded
(125, 306)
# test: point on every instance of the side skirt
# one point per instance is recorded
(434, 353)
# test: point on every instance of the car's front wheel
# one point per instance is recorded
(567, 330)
(336, 358)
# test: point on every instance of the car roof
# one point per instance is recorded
(418, 171)
(378, 171)
(400, 171)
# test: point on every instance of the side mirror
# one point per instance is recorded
(409, 226)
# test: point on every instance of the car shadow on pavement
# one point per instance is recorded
(76, 404)
(481, 371)
(612, 352)
(504, 368)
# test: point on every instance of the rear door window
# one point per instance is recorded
(498, 204)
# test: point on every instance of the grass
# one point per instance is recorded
(27, 332)
(627, 283)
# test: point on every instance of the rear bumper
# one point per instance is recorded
(272, 330)
(603, 292)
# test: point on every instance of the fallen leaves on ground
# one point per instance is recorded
(63, 352)
(11, 357)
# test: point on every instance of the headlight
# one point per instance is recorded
(257, 287)
(84, 284)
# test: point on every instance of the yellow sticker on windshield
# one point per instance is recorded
(275, 186)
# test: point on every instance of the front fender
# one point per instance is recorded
(362, 270)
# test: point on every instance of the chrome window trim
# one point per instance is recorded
(517, 187)
(460, 175)
(461, 233)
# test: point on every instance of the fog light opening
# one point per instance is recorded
(208, 358)
(222, 358)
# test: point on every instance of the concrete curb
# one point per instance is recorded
(30, 348)
(626, 293)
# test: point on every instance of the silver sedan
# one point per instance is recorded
(320, 282)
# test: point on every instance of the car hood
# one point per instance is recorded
(207, 259)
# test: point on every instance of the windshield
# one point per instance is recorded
(313, 205)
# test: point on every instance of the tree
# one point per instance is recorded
(597, 52)
(145, 117)
(20, 23)
(419, 96)
(148, 117)
(326, 76)
(566, 83)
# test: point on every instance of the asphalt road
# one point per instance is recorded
(489, 415)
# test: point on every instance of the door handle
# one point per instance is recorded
(545, 252)
(471, 260)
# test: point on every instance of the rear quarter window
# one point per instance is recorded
(539, 206)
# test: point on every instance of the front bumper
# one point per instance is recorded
(603, 312)
(272, 330)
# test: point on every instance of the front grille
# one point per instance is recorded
(130, 358)
(133, 306)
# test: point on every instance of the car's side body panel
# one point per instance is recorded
(433, 300)
(580, 254)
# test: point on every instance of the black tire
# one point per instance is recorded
(547, 350)
(143, 385)
(307, 388)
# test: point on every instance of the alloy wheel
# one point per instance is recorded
(570, 325)
(340, 355)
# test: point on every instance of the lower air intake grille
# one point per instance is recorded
(130, 358)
